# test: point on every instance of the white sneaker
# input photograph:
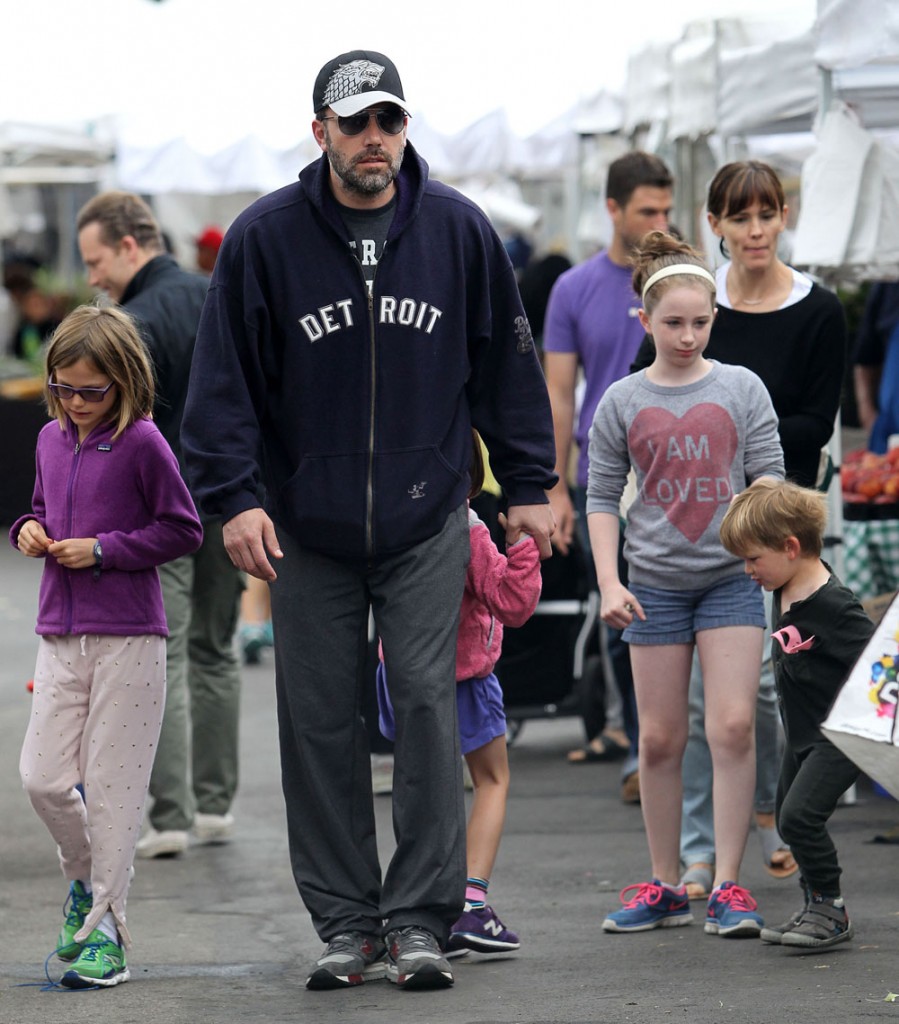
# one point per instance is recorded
(381, 774)
(210, 829)
(161, 844)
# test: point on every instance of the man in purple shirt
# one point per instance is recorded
(591, 324)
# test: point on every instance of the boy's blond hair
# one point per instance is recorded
(769, 511)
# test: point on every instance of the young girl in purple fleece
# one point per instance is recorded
(109, 506)
(499, 590)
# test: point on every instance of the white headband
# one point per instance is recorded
(678, 268)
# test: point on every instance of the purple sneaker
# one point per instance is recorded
(479, 929)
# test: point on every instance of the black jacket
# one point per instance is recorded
(830, 629)
(166, 302)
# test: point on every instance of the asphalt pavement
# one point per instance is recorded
(221, 936)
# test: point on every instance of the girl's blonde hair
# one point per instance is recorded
(108, 338)
(657, 250)
(769, 511)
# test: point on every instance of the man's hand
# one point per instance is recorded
(249, 540)
(536, 520)
(563, 510)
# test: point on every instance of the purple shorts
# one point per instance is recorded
(479, 703)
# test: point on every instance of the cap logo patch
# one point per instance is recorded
(349, 79)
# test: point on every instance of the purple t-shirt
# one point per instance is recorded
(592, 311)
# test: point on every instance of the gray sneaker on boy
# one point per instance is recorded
(823, 923)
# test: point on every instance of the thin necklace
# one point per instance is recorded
(750, 302)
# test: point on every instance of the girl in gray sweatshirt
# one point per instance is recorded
(694, 432)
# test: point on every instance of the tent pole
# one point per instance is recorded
(825, 94)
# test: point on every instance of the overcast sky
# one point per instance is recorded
(220, 69)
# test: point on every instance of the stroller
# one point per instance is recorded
(552, 666)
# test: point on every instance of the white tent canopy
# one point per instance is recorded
(769, 88)
(487, 149)
(849, 219)
(728, 79)
(740, 78)
(855, 32)
(41, 153)
(754, 91)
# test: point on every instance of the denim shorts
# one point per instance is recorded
(676, 616)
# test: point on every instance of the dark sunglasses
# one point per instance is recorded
(390, 121)
(65, 393)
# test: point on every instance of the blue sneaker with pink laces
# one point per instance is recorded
(731, 913)
(652, 906)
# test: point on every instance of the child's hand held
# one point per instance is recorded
(504, 526)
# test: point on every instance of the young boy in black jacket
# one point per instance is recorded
(820, 629)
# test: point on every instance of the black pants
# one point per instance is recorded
(811, 783)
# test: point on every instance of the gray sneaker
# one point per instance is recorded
(774, 933)
(350, 959)
(414, 959)
(824, 923)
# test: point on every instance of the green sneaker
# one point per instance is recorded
(77, 907)
(102, 962)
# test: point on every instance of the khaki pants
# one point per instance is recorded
(196, 767)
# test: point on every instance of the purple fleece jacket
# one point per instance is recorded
(128, 493)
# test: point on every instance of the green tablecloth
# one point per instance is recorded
(871, 556)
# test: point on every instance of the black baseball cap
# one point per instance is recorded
(356, 80)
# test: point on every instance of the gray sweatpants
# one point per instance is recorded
(95, 718)
(320, 613)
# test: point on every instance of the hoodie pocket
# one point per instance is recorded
(414, 491)
(323, 503)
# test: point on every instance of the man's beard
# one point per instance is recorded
(361, 181)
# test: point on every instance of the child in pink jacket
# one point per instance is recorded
(499, 590)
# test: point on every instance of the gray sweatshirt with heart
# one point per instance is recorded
(692, 448)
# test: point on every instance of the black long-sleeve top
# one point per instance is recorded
(831, 629)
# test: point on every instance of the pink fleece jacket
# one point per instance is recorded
(499, 590)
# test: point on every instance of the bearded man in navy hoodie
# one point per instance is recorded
(359, 322)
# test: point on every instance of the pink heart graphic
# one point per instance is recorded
(687, 461)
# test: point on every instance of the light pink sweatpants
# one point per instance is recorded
(95, 720)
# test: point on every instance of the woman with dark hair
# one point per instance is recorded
(773, 319)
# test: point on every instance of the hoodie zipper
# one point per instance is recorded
(370, 471)
(369, 483)
(70, 519)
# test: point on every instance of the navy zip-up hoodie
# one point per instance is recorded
(360, 406)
